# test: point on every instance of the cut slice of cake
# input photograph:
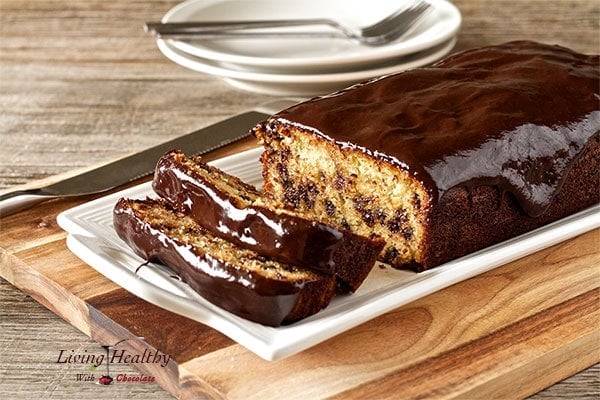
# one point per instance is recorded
(235, 279)
(442, 161)
(233, 210)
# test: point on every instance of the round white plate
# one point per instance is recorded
(321, 55)
(300, 84)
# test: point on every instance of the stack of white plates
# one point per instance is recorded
(306, 67)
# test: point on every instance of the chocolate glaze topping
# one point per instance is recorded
(514, 115)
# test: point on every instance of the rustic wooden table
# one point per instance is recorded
(81, 83)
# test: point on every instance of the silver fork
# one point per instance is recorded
(384, 31)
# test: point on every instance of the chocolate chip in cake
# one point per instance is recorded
(407, 233)
(390, 254)
(398, 222)
(308, 192)
(416, 201)
(339, 182)
(345, 224)
(282, 163)
(290, 194)
(261, 258)
(246, 197)
(380, 215)
(361, 205)
(330, 208)
(289, 268)
(373, 216)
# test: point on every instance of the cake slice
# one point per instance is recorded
(442, 161)
(233, 210)
(237, 280)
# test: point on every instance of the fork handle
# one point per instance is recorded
(211, 29)
(18, 200)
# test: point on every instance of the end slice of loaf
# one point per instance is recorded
(235, 279)
(233, 210)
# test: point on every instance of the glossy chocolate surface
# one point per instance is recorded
(279, 236)
(514, 115)
(240, 291)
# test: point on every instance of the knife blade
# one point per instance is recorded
(140, 164)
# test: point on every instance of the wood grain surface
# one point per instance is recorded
(81, 84)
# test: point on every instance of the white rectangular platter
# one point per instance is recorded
(92, 238)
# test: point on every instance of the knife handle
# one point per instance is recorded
(13, 202)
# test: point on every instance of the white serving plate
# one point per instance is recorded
(304, 85)
(92, 238)
(315, 55)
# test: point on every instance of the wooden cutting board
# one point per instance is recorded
(505, 334)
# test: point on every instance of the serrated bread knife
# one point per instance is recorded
(137, 165)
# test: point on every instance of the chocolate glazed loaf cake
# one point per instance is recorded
(442, 161)
(231, 209)
(238, 280)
